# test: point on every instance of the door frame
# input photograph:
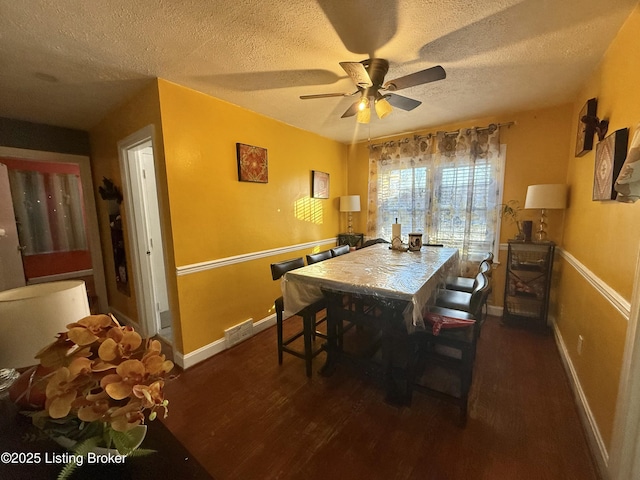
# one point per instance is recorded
(625, 445)
(136, 231)
(91, 215)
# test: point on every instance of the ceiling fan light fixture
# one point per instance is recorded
(363, 103)
(364, 115)
(383, 107)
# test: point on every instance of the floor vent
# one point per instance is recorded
(238, 333)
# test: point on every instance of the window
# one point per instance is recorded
(449, 191)
(403, 193)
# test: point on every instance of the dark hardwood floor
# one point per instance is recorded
(245, 417)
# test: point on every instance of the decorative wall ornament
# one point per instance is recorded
(610, 155)
(584, 140)
(319, 184)
(628, 182)
(252, 163)
(110, 192)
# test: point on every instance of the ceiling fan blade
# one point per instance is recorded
(418, 78)
(358, 73)
(373, 30)
(325, 95)
(403, 103)
(351, 111)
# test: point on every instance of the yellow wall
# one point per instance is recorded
(536, 153)
(214, 216)
(139, 112)
(602, 236)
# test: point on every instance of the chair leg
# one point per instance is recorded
(279, 330)
(309, 327)
(465, 382)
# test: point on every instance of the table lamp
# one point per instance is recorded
(350, 203)
(544, 197)
(30, 319)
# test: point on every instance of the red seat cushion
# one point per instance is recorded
(447, 319)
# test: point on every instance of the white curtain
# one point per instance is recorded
(48, 208)
(446, 186)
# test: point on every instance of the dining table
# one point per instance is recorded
(377, 286)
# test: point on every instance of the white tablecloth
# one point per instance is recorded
(376, 271)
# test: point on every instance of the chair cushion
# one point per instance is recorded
(461, 284)
(446, 318)
(454, 300)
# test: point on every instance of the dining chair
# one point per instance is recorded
(466, 284)
(471, 303)
(341, 250)
(447, 347)
(318, 257)
(309, 319)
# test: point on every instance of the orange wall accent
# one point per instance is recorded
(603, 236)
(140, 111)
(215, 216)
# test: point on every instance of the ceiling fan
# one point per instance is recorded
(368, 75)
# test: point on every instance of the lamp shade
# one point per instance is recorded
(350, 203)
(31, 317)
(364, 115)
(383, 107)
(546, 196)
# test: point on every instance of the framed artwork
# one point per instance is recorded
(584, 141)
(252, 163)
(610, 155)
(319, 184)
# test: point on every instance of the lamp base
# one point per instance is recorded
(541, 233)
(7, 377)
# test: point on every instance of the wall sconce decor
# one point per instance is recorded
(610, 155)
(112, 195)
(586, 130)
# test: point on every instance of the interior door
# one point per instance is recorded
(11, 270)
(48, 207)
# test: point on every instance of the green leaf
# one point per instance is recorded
(81, 448)
(141, 452)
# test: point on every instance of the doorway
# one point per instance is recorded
(137, 164)
(49, 223)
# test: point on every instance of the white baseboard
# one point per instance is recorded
(218, 346)
(199, 355)
(122, 318)
(596, 443)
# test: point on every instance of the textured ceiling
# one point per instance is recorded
(69, 62)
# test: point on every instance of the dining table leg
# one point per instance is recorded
(332, 347)
(394, 356)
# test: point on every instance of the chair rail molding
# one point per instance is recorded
(247, 257)
(617, 300)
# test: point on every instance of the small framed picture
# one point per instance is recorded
(252, 163)
(319, 184)
(610, 155)
(584, 140)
